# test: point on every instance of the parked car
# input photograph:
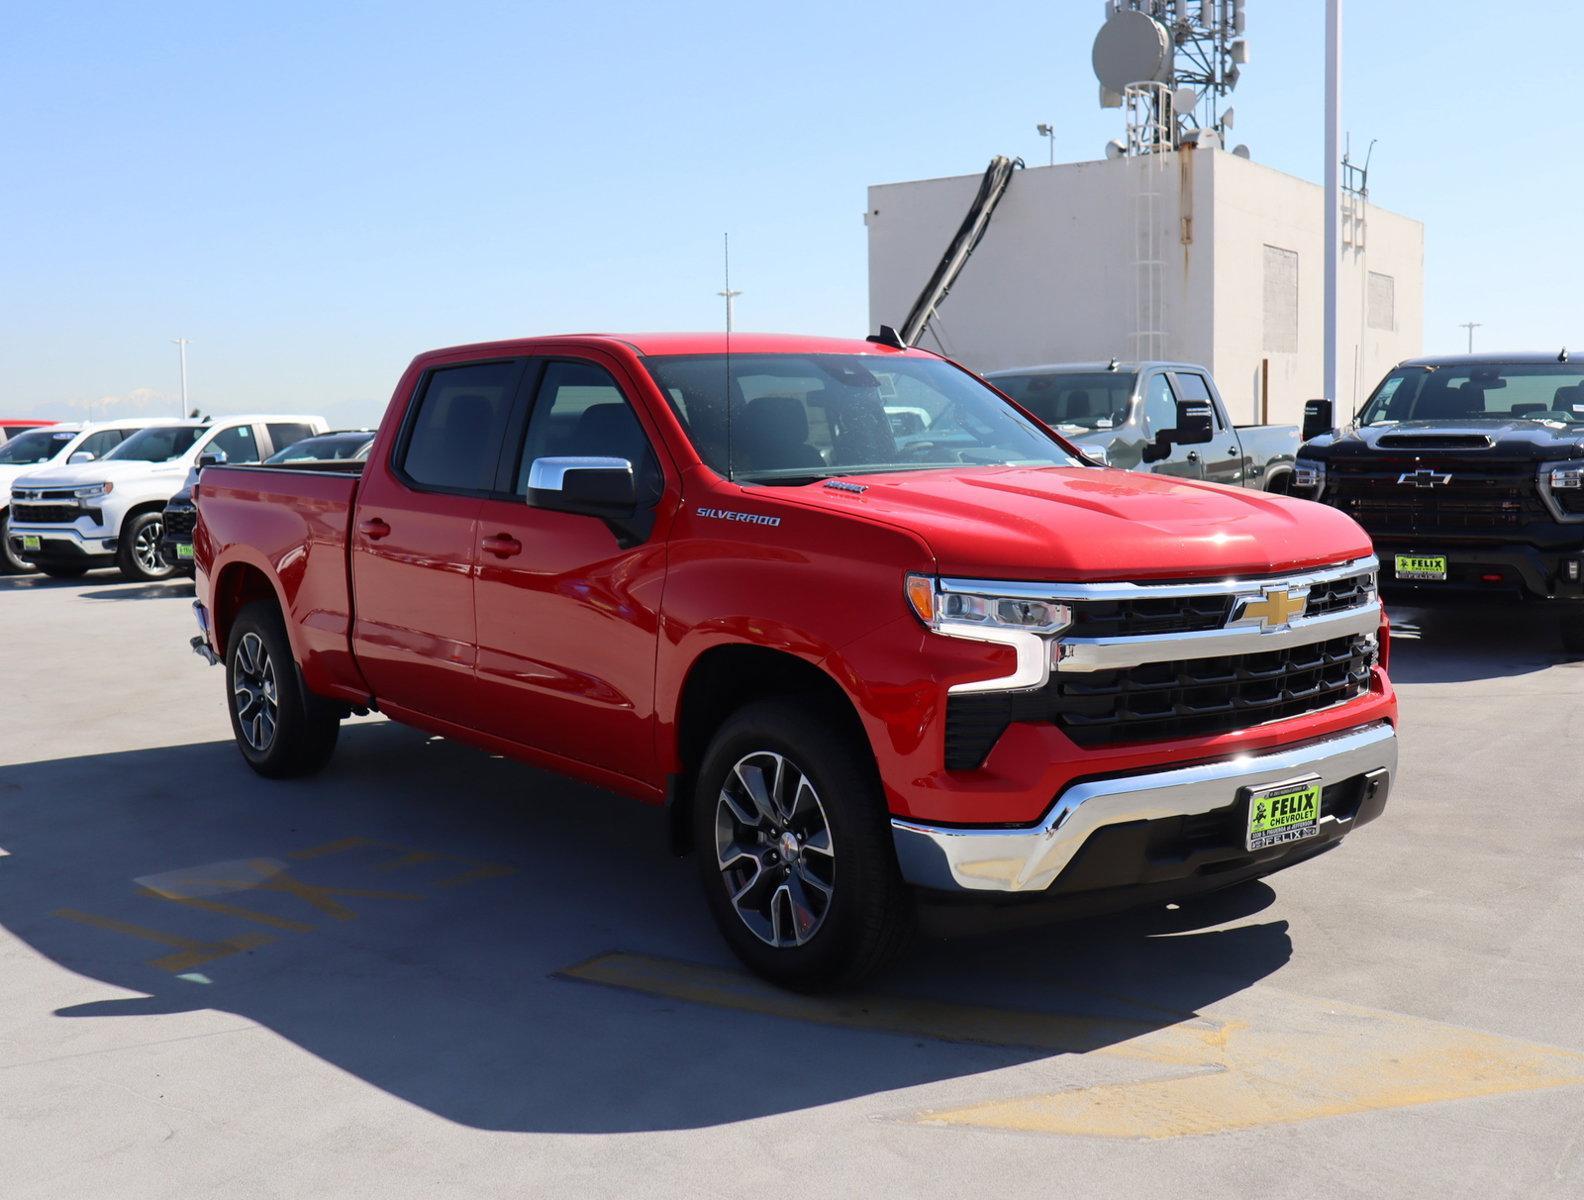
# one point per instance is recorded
(68, 519)
(852, 665)
(1468, 472)
(346, 446)
(1155, 416)
(49, 445)
(11, 427)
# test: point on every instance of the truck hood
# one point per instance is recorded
(1084, 524)
(1508, 440)
(111, 470)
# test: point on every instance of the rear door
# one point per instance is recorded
(414, 539)
(1222, 458)
(568, 625)
(1160, 413)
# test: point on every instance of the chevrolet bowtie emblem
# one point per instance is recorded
(1424, 477)
(1276, 609)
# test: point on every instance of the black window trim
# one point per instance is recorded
(398, 454)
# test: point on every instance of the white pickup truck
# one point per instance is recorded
(67, 519)
(29, 452)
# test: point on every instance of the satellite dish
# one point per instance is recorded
(1229, 119)
(1116, 148)
(1184, 99)
(1132, 47)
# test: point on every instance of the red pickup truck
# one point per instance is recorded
(861, 655)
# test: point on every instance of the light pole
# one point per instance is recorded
(1471, 326)
(183, 343)
(1333, 193)
(1048, 132)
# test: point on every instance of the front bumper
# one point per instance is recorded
(1034, 859)
(1516, 568)
(77, 543)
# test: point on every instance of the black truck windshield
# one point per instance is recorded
(1548, 392)
(799, 417)
(1093, 400)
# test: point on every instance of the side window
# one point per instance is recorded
(238, 443)
(1160, 407)
(581, 413)
(1192, 386)
(287, 433)
(455, 439)
(101, 443)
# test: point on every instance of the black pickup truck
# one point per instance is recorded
(1468, 473)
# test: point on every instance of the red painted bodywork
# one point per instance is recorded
(574, 654)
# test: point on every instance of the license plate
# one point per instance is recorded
(1283, 812)
(30, 541)
(1422, 566)
(183, 549)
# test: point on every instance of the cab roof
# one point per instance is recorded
(1524, 357)
(668, 344)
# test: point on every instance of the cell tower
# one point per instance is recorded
(1179, 58)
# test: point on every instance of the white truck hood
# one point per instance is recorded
(138, 480)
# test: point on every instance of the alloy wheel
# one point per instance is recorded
(254, 692)
(773, 846)
(146, 547)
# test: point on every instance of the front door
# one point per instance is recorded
(568, 607)
(1222, 456)
(1160, 413)
(415, 538)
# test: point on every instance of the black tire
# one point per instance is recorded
(304, 727)
(870, 913)
(138, 551)
(10, 564)
(60, 571)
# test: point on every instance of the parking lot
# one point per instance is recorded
(429, 971)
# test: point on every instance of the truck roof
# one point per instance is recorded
(696, 343)
(1076, 368)
(1484, 359)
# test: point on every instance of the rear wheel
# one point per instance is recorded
(281, 728)
(139, 555)
(10, 564)
(795, 852)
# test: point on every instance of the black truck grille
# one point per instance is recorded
(1464, 496)
(180, 519)
(1144, 618)
(1193, 698)
(49, 514)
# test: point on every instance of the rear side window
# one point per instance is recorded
(284, 433)
(238, 444)
(454, 442)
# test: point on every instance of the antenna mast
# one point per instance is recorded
(728, 293)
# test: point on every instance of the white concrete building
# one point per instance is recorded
(1196, 255)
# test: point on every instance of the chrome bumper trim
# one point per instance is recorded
(1162, 591)
(1077, 655)
(1031, 859)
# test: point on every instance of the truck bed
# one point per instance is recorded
(292, 523)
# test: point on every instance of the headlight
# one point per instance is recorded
(93, 491)
(969, 610)
(1309, 473)
(1566, 475)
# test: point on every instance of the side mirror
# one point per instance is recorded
(81, 456)
(1195, 426)
(1318, 419)
(211, 458)
(592, 487)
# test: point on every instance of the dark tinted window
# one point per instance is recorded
(1092, 400)
(287, 433)
(37, 446)
(101, 443)
(580, 412)
(328, 447)
(455, 440)
(237, 443)
(1548, 392)
(1160, 406)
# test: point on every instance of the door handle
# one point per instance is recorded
(502, 545)
(1232, 451)
(1193, 456)
(373, 528)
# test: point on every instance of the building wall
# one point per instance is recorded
(1055, 280)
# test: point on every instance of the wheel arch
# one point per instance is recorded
(238, 585)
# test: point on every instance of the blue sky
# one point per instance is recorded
(313, 193)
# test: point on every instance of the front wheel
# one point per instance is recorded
(10, 564)
(281, 728)
(795, 852)
(139, 555)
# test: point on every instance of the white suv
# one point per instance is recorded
(32, 450)
(67, 519)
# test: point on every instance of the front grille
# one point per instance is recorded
(1192, 698)
(1339, 595)
(180, 519)
(49, 514)
(1474, 497)
(1144, 618)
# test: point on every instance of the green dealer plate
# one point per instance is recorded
(1283, 812)
(183, 549)
(1422, 566)
(30, 541)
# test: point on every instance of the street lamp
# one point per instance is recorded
(1048, 132)
(183, 343)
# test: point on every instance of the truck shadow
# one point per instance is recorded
(406, 916)
(178, 588)
(1456, 645)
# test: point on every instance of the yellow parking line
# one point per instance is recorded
(231, 910)
(193, 952)
(1283, 1059)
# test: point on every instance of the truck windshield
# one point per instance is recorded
(801, 417)
(1072, 402)
(39, 446)
(157, 444)
(1551, 393)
